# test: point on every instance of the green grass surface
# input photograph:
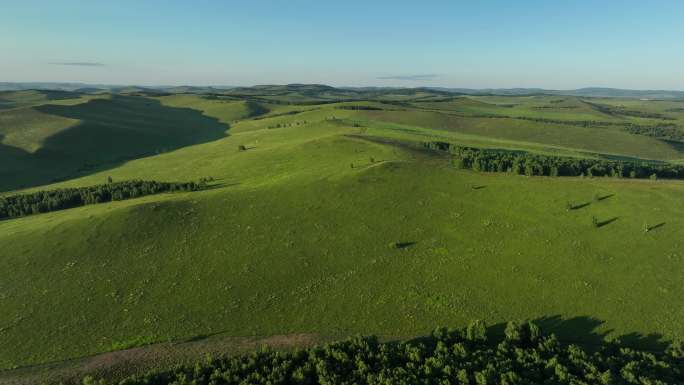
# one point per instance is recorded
(52, 142)
(299, 235)
(601, 140)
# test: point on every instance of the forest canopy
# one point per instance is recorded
(525, 163)
(20, 205)
(449, 356)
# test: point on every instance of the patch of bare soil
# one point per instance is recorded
(117, 365)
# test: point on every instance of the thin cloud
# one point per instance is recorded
(416, 77)
(79, 64)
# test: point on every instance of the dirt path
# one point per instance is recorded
(123, 363)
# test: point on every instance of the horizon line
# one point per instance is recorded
(336, 86)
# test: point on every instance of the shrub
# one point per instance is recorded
(595, 222)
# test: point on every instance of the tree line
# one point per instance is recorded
(20, 205)
(359, 108)
(667, 131)
(523, 355)
(661, 131)
(621, 110)
(525, 163)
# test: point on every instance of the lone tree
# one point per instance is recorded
(109, 179)
(242, 147)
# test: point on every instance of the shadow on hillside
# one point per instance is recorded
(110, 132)
(582, 331)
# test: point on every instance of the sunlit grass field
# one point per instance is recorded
(319, 227)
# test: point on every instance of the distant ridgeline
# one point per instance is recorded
(524, 355)
(525, 163)
(52, 200)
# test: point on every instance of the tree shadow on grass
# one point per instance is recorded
(654, 227)
(579, 206)
(582, 330)
(600, 224)
(403, 245)
(110, 133)
(600, 198)
(215, 186)
(201, 337)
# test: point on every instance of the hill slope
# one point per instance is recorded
(52, 142)
(328, 222)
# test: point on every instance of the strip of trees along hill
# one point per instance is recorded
(463, 356)
(20, 205)
(525, 163)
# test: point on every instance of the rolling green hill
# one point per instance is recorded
(51, 142)
(329, 221)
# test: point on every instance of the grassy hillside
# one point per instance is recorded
(319, 227)
(52, 142)
(604, 140)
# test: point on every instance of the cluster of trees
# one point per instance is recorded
(621, 110)
(359, 108)
(668, 131)
(522, 356)
(663, 131)
(20, 205)
(293, 112)
(524, 163)
(283, 125)
(555, 107)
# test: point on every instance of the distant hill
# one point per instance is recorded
(619, 93)
(5, 86)
(584, 92)
(321, 91)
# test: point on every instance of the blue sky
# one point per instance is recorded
(479, 44)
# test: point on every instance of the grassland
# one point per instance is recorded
(321, 228)
(48, 142)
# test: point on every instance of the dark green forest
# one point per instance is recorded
(20, 205)
(449, 356)
(525, 163)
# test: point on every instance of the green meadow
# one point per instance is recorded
(325, 216)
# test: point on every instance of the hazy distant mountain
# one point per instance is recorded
(585, 92)
(5, 86)
(620, 93)
(340, 92)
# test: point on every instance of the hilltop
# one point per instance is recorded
(343, 92)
